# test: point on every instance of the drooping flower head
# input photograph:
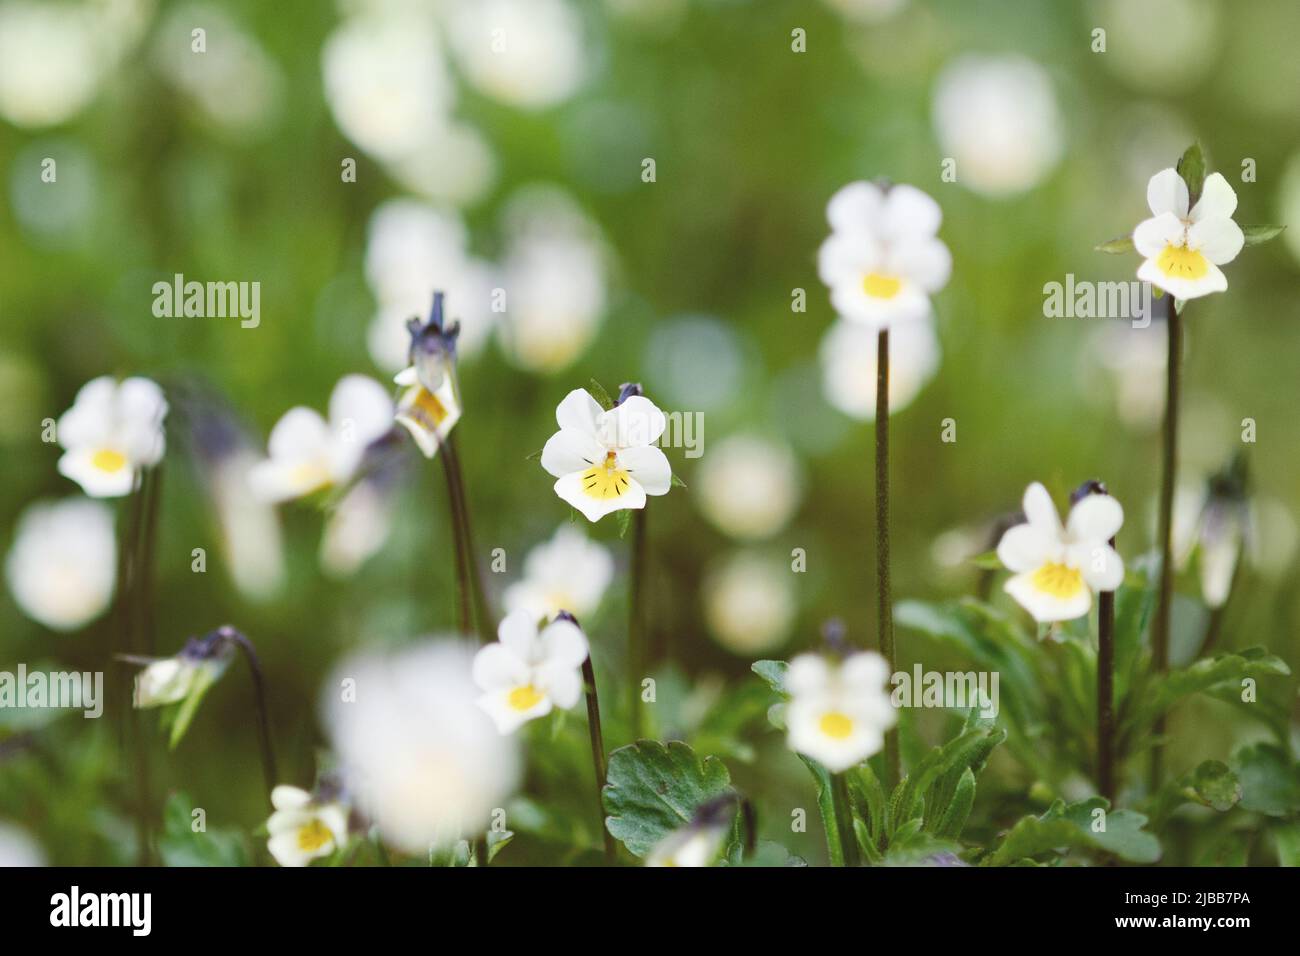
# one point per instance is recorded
(430, 403)
(180, 682)
(308, 453)
(304, 827)
(839, 710)
(567, 573)
(606, 460)
(111, 432)
(1218, 528)
(1057, 568)
(883, 259)
(524, 674)
(1184, 247)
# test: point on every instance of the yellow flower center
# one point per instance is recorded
(1179, 262)
(606, 479)
(309, 475)
(430, 407)
(313, 836)
(106, 459)
(524, 698)
(881, 287)
(1058, 580)
(836, 725)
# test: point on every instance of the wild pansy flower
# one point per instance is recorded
(838, 711)
(183, 679)
(526, 673)
(62, 566)
(308, 453)
(570, 573)
(430, 403)
(1055, 568)
(1215, 524)
(606, 460)
(302, 828)
(111, 432)
(1184, 248)
(883, 259)
(848, 356)
(699, 842)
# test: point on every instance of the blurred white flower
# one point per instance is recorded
(17, 849)
(1184, 249)
(527, 53)
(570, 573)
(1288, 204)
(997, 117)
(848, 358)
(606, 460)
(250, 528)
(111, 432)
(308, 454)
(750, 603)
(412, 249)
(1056, 569)
(1189, 32)
(357, 528)
(838, 711)
(866, 11)
(301, 830)
(1134, 361)
(699, 842)
(525, 673)
(62, 565)
(748, 486)
(428, 416)
(427, 765)
(883, 259)
(554, 277)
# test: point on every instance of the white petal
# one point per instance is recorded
(808, 674)
(1095, 518)
(361, 408)
(570, 489)
(1044, 607)
(285, 797)
(496, 705)
(634, 423)
(1152, 235)
(496, 666)
(569, 451)
(563, 685)
(1026, 546)
(564, 644)
(299, 434)
(847, 257)
(90, 419)
(1217, 200)
(910, 213)
(649, 466)
(79, 465)
(864, 672)
(579, 412)
(856, 207)
(286, 851)
(518, 634)
(1213, 281)
(1219, 240)
(1039, 510)
(276, 481)
(1166, 192)
(928, 263)
(1103, 568)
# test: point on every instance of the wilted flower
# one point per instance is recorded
(700, 841)
(568, 573)
(1184, 249)
(425, 762)
(524, 674)
(1056, 569)
(62, 565)
(111, 432)
(302, 829)
(748, 486)
(848, 357)
(883, 258)
(838, 711)
(430, 404)
(308, 454)
(606, 460)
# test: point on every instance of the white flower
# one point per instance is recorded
(308, 454)
(187, 674)
(883, 259)
(428, 416)
(18, 849)
(250, 527)
(62, 566)
(848, 358)
(302, 830)
(1057, 568)
(1184, 249)
(568, 573)
(413, 248)
(425, 762)
(526, 53)
(997, 117)
(750, 602)
(687, 846)
(605, 460)
(525, 674)
(748, 486)
(838, 713)
(357, 528)
(111, 432)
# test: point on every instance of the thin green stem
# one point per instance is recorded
(844, 820)
(884, 605)
(1169, 462)
(597, 756)
(259, 692)
(454, 509)
(482, 607)
(1106, 694)
(636, 622)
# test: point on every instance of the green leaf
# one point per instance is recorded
(180, 845)
(180, 716)
(677, 482)
(1255, 235)
(952, 821)
(773, 672)
(1192, 168)
(1212, 784)
(1123, 835)
(869, 801)
(624, 519)
(1115, 246)
(826, 806)
(600, 395)
(1071, 827)
(654, 789)
(498, 840)
(1206, 675)
(1270, 782)
(1287, 840)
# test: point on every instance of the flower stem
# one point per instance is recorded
(597, 755)
(1164, 601)
(1106, 694)
(125, 610)
(884, 607)
(482, 609)
(454, 507)
(844, 819)
(237, 638)
(635, 622)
